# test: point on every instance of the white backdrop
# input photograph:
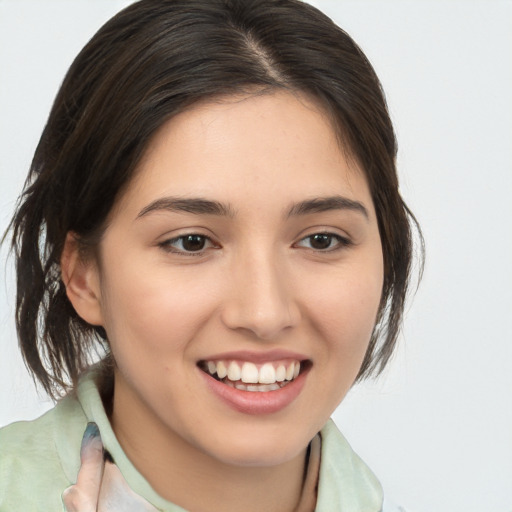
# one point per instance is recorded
(437, 427)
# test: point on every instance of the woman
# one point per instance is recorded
(214, 202)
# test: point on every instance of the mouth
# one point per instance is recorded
(249, 376)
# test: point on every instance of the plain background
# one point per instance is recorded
(437, 426)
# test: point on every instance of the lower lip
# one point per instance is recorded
(256, 402)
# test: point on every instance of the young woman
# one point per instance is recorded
(214, 204)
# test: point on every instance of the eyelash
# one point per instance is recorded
(341, 242)
(169, 245)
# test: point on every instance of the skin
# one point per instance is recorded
(260, 283)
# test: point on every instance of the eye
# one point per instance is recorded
(187, 244)
(324, 242)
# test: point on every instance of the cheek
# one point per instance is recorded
(348, 306)
(345, 315)
(153, 312)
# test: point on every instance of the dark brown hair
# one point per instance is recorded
(151, 61)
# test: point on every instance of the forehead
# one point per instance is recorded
(281, 145)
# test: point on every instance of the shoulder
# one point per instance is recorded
(31, 458)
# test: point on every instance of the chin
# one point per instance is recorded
(261, 450)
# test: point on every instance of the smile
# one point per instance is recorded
(248, 376)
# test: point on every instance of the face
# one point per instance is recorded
(239, 280)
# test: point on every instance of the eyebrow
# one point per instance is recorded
(324, 204)
(200, 206)
(197, 206)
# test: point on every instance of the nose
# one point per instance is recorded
(262, 300)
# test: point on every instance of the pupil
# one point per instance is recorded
(321, 241)
(193, 243)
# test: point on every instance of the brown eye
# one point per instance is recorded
(324, 242)
(193, 243)
(321, 241)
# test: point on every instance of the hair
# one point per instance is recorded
(151, 61)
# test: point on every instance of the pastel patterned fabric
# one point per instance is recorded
(100, 486)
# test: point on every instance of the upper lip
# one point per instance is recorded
(257, 357)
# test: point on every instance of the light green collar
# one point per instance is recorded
(346, 484)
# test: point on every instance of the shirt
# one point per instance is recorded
(40, 462)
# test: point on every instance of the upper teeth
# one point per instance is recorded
(250, 373)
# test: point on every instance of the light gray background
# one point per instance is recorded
(437, 427)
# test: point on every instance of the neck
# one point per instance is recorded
(191, 478)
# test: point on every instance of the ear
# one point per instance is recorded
(82, 281)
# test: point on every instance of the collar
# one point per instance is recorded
(346, 484)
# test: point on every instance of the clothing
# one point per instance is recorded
(101, 486)
(40, 459)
